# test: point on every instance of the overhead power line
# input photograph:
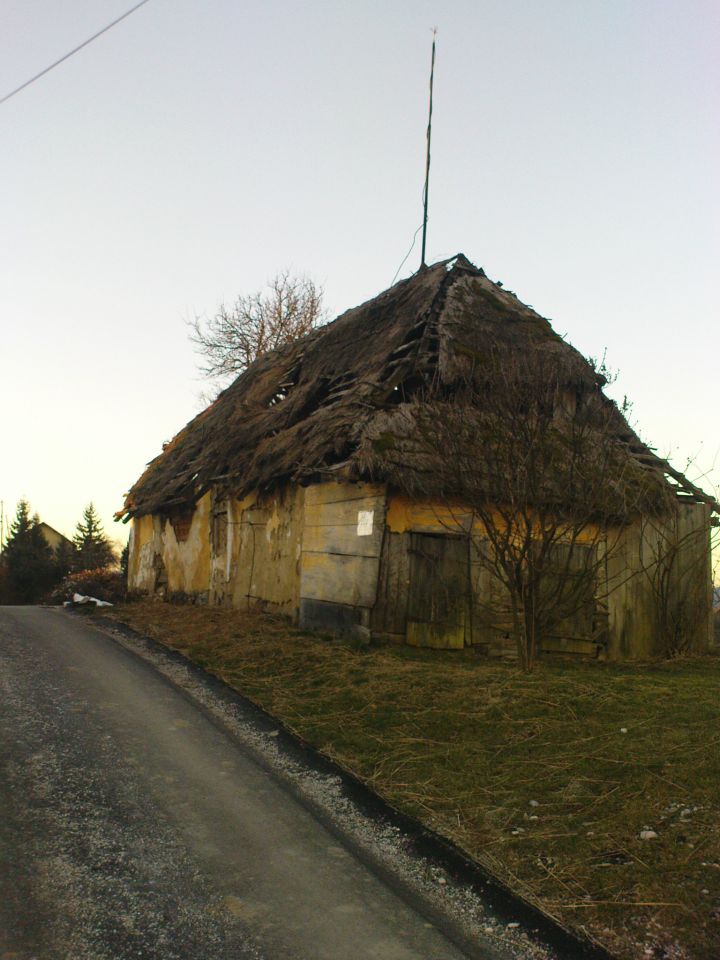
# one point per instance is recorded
(70, 53)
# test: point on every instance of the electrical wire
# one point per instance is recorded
(73, 51)
(412, 245)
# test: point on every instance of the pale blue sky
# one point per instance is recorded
(197, 148)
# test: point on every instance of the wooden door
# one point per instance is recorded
(438, 591)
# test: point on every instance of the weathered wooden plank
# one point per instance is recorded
(345, 538)
(335, 618)
(438, 591)
(390, 612)
(441, 636)
(332, 492)
(343, 512)
(576, 631)
(581, 647)
(353, 527)
(491, 614)
(339, 578)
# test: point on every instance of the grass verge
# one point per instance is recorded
(547, 779)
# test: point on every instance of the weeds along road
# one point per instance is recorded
(134, 827)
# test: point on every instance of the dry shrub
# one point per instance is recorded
(104, 583)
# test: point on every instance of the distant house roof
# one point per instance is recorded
(52, 536)
(324, 406)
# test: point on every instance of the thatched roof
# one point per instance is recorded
(325, 406)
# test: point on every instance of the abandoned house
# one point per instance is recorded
(348, 480)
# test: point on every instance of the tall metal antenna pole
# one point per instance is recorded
(427, 160)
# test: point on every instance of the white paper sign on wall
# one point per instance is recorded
(365, 523)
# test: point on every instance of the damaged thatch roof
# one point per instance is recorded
(326, 405)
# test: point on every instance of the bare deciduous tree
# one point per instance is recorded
(289, 307)
(535, 464)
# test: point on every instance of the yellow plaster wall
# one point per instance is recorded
(187, 562)
(276, 543)
(424, 516)
(264, 546)
(142, 570)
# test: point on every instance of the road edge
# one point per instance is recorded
(420, 842)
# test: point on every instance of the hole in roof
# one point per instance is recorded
(283, 389)
(315, 397)
(405, 390)
(278, 397)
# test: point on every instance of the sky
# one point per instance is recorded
(196, 149)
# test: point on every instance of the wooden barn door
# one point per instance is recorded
(438, 591)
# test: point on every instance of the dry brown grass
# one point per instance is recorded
(531, 774)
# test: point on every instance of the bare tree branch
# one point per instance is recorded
(288, 308)
(538, 460)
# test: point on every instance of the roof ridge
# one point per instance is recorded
(309, 407)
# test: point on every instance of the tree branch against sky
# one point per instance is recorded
(287, 308)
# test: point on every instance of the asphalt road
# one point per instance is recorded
(134, 827)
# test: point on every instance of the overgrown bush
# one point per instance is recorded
(104, 583)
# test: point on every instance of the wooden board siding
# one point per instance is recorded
(491, 627)
(343, 528)
(336, 492)
(338, 578)
(584, 631)
(437, 590)
(389, 616)
(333, 527)
(633, 604)
(696, 584)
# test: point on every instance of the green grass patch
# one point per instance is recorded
(548, 779)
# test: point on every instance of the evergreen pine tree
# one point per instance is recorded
(94, 550)
(65, 555)
(29, 570)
